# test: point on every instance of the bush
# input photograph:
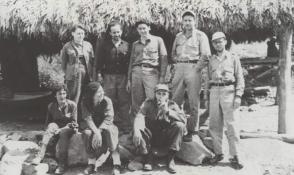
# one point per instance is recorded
(50, 73)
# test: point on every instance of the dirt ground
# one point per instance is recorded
(260, 156)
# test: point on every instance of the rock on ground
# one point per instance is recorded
(30, 169)
(193, 152)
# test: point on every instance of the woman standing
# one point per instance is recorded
(77, 58)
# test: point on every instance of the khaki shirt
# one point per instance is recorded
(70, 54)
(195, 47)
(226, 69)
(153, 53)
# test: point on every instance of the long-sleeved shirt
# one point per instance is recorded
(110, 58)
(62, 116)
(149, 110)
(226, 68)
(196, 47)
(153, 53)
(102, 114)
(70, 62)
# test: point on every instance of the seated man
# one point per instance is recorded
(100, 134)
(61, 121)
(159, 123)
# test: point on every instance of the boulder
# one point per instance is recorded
(136, 164)
(193, 152)
(19, 147)
(11, 164)
(76, 152)
(31, 169)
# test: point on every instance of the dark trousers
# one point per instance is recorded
(63, 143)
(109, 141)
(162, 135)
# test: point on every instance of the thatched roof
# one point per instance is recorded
(51, 18)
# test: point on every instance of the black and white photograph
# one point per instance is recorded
(146, 87)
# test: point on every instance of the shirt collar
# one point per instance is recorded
(224, 56)
(148, 40)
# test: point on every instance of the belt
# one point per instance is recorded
(187, 61)
(222, 84)
(146, 65)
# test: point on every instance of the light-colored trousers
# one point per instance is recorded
(115, 89)
(223, 115)
(187, 78)
(143, 84)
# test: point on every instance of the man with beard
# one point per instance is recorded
(111, 63)
(159, 123)
(190, 50)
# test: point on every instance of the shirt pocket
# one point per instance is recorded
(151, 52)
(192, 48)
(71, 56)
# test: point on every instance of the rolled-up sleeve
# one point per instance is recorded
(204, 49)
(109, 113)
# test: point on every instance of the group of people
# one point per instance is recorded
(121, 88)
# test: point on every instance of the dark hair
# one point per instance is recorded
(58, 88)
(75, 27)
(142, 22)
(113, 23)
(90, 91)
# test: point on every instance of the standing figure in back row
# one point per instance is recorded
(111, 62)
(226, 86)
(77, 58)
(147, 66)
(190, 50)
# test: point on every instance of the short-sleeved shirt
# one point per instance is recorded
(62, 116)
(111, 59)
(148, 53)
(70, 58)
(102, 114)
(226, 69)
(190, 48)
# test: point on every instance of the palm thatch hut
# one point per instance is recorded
(31, 27)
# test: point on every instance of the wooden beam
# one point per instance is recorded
(284, 122)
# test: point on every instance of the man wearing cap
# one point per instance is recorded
(226, 86)
(148, 63)
(159, 123)
(189, 53)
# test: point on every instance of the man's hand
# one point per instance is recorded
(100, 78)
(128, 86)
(97, 140)
(137, 138)
(237, 102)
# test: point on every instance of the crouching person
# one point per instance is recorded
(61, 121)
(100, 133)
(159, 123)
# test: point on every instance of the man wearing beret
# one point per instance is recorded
(226, 86)
(159, 123)
(189, 54)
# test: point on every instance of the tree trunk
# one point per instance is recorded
(285, 123)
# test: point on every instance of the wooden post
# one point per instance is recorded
(285, 124)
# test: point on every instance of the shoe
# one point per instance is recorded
(147, 160)
(116, 170)
(90, 169)
(171, 162)
(235, 163)
(214, 160)
(60, 170)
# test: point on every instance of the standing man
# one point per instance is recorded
(147, 66)
(190, 50)
(226, 82)
(159, 123)
(111, 62)
(100, 134)
(77, 59)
